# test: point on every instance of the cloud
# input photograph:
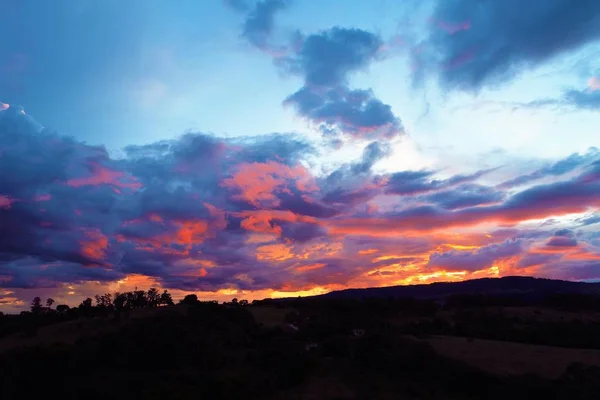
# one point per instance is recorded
(485, 257)
(237, 5)
(491, 42)
(419, 182)
(583, 99)
(259, 22)
(577, 195)
(467, 195)
(558, 168)
(563, 238)
(594, 83)
(325, 60)
(589, 220)
(218, 215)
(354, 112)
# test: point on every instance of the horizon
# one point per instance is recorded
(257, 149)
(177, 300)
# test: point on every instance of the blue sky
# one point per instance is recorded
(338, 111)
(117, 73)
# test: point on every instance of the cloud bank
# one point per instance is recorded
(219, 215)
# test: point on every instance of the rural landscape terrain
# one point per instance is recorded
(524, 338)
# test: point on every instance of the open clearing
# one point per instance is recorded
(508, 358)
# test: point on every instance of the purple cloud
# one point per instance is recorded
(497, 40)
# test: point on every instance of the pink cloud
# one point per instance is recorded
(453, 28)
(104, 176)
(5, 201)
(594, 83)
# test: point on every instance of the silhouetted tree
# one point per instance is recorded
(234, 301)
(104, 300)
(49, 302)
(86, 304)
(166, 299)
(190, 299)
(62, 308)
(243, 302)
(139, 299)
(36, 305)
(120, 301)
(153, 297)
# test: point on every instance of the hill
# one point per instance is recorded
(474, 345)
(514, 286)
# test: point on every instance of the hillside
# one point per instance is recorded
(525, 287)
(474, 345)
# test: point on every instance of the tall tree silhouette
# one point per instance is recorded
(36, 305)
(49, 302)
(153, 297)
(166, 299)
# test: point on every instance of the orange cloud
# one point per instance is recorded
(274, 252)
(262, 221)
(104, 176)
(96, 245)
(258, 183)
(310, 267)
(367, 252)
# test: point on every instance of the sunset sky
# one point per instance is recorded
(277, 148)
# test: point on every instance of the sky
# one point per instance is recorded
(276, 148)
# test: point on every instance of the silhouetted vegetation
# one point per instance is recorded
(139, 345)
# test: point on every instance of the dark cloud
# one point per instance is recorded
(354, 183)
(566, 165)
(327, 58)
(483, 43)
(583, 99)
(302, 232)
(419, 182)
(589, 220)
(325, 61)
(372, 153)
(354, 112)
(31, 272)
(259, 23)
(563, 238)
(467, 195)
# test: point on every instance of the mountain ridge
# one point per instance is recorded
(515, 285)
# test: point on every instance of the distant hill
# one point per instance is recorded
(518, 286)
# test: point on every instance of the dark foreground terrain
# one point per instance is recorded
(460, 346)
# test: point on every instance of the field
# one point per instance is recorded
(506, 358)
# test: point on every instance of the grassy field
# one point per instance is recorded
(497, 357)
(269, 316)
(506, 358)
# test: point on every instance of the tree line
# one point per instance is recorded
(118, 301)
